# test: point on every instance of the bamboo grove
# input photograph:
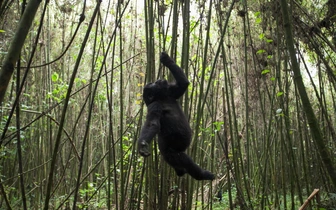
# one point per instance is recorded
(261, 103)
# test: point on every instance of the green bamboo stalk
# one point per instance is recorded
(247, 113)
(18, 134)
(18, 144)
(201, 102)
(92, 92)
(111, 141)
(150, 162)
(175, 15)
(121, 118)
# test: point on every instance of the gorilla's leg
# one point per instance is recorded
(182, 164)
(180, 171)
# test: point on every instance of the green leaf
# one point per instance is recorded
(266, 71)
(279, 93)
(218, 125)
(2, 31)
(54, 77)
(269, 40)
(256, 14)
(258, 20)
(261, 51)
(272, 78)
(261, 36)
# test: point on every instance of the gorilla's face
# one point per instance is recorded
(155, 91)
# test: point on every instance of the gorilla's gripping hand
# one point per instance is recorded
(143, 148)
(165, 59)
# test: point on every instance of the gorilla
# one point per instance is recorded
(166, 118)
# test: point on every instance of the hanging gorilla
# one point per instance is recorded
(166, 118)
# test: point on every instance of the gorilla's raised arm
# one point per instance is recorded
(182, 82)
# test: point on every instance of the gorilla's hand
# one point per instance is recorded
(143, 148)
(165, 59)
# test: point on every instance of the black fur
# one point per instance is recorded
(166, 118)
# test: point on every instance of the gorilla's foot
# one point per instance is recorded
(205, 175)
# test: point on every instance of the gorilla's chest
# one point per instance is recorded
(174, 122)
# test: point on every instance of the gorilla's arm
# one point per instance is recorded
(182, 82)
(150, 128)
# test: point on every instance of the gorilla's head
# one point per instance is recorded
(155, 91)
